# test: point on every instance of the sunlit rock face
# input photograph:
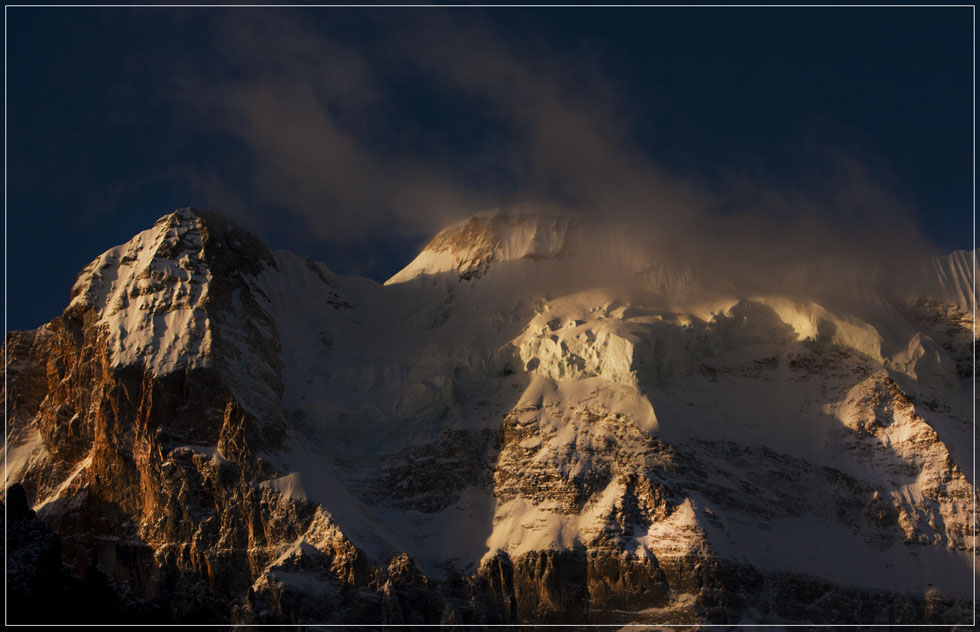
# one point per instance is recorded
(528, 424)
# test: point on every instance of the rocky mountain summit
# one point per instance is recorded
(531, 423)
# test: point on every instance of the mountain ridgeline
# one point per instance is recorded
(536, 421)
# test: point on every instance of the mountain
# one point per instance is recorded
(538, 420)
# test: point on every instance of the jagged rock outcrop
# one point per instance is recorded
(214, 433)
(141, 432)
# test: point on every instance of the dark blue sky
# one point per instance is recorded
(352, 134)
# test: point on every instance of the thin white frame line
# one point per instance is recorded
(6, 548)
(477, 6)
(974, 261)
(494, 6)
(500, 625)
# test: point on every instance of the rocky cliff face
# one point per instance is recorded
(215, 433)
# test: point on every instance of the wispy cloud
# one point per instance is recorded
(326, 138)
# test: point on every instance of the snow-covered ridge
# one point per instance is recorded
(150, 295)
(945, 278)
(587, 388)
(540, 245)
(469, 247)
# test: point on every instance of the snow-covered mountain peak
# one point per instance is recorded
(172, 237)
(559, 401)
(470, 247)
(546, 247)
(152, 294)
(149, 294)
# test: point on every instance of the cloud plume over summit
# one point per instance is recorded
(438, 116)
(354, 134)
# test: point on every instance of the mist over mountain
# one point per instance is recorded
(547, 416)
(739, 140)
